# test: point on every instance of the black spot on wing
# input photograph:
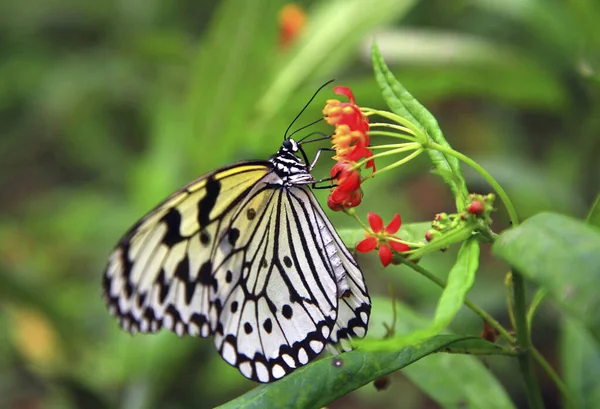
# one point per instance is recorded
(248, 328)
(234, 235)
(207, 203)
(163, 286)
(182, 272)
(268, 325)
(127, 263)
(141, 299)
(286, 310)
(173, 221)
(204, 238)
(205, 276)
(128, 289)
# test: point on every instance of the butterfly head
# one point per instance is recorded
(290, 167)
(289, 145)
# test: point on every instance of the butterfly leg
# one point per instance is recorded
(314, 162)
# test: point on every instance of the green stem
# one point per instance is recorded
(352, 213)
(568, 399)
(392, 146)
(533, 353)
(393, 135)
(469, 304)
(524, 342)
(395, 164)
(398, 119)
(519, 292)
(392, 126)
(512, 213)
(405, 147)
(537, 299)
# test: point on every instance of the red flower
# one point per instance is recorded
(350, 141)
(345, 113)
(381, 238)
(347, 193)
(292, 20)
(351, 135)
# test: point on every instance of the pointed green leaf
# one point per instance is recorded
(580, 362)
(561, 254)
(323, 381)
(402, 103)
(451, 380)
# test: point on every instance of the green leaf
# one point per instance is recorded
(402, 103)
(593, 218)
(518, 77)
(447, 378)
(477, 346)
(458, 381)
(460, 281)
(580, 362)
(579, 354)
(321, 382)
(561, 254)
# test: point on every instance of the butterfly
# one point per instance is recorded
(246, 254)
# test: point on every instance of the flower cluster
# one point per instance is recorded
(351, 144)
(479, 207)
(382, 239)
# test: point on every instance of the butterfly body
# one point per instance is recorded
(246, 254)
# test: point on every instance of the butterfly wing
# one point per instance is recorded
(354, 306)
(160, 273)
(237, 255)
(279, 301)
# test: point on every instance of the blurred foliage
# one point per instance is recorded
(107, 107)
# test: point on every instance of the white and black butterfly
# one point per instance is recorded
(246, 254)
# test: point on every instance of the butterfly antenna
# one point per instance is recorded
(285, 136)
(304, 127)
(322, 136)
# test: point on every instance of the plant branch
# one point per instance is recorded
(512, 213)
(469, 304)
(519, 292)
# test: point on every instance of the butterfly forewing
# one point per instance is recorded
(245, 256)
(159, 274)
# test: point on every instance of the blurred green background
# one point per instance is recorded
(107, 107)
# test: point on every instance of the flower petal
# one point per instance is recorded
(345, 91)
(385, 254)
(375, 222)
(399, 247)
(367, 245)
(394, 225)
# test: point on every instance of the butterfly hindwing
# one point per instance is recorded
(279, 313)
(354, 305)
